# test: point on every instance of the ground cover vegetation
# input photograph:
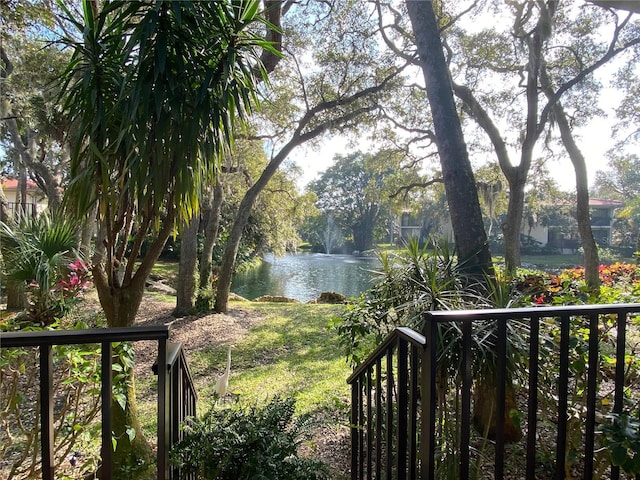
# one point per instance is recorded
(264, 444)
(419, 280)
(287, 351)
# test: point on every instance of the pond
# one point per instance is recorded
(304, 276)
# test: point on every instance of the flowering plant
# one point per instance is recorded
(71, 280)
(70, 286)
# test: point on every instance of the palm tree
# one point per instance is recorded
(37, 252)
(154, 91)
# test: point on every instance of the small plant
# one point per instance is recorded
(622, 440)
(76, 410)
(204, 300)
(236, 443)
(39, 252)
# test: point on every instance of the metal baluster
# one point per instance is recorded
(532, 418)
(46, 412)
(106, 390)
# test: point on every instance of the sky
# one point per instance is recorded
(594, 142)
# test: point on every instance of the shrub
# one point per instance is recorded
(409, 283)
(236, 443)
(622, 439)
(39, 252)
(76, 409)
(204, 300)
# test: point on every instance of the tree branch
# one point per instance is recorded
(611, 53)
(8, 65)
(406, 189)
(486, 123)
(273, 13)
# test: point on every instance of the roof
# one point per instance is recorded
(12, 184)
(601, 202)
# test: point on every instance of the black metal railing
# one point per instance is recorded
(16, 210)
(406, 418)
(176, 396)
(384, 407)
(182, 399)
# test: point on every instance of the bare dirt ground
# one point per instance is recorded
(330, 443)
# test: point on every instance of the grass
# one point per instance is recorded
(547, 262)
(290, 353)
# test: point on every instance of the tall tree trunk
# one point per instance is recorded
(47, 180)
(87, 233)
(120, 296)
(512, 225)
(242, 217)
(120, 304)
(591, 259)
(212, 225)
(121, 287)
(16, 295)
(5, 213)
(517, 174)
(15, 291)
(186, 282)
(363, 229)
(460, 186)
(133, 456)
(233, 245)
(21, 192)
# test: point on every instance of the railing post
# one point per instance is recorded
(106, 363)
(369, 414)
(378, 473)
(592, 387)
(563, 391)
(501, 391)
(532, 417)
(413, 412)
(618, 396)
(389, 414)
(46, 412)
(465, 422)
(403, 409)
(428, 389)
(163, 411)
(355, 435)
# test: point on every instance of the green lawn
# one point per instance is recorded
(291, 353)
(547, 262)
(288, 352)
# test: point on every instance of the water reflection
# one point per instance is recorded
(304, 276)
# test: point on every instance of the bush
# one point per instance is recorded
(205, 299)
(622, 439)
(38, 252)
(236, 443)
(76, 409)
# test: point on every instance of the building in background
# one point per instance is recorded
(36, 200)
(602, 218)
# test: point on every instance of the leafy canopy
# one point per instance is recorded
(155, 89)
